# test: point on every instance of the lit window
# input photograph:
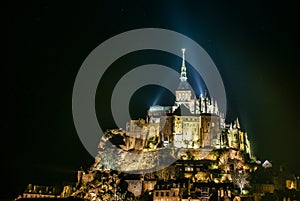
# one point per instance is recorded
(188, 169)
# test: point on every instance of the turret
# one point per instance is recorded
(237, 123)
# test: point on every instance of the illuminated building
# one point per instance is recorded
(192, 123)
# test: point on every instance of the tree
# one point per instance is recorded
(240, 179)
(223, 162)
(203, 176)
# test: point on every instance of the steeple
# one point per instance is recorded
(183, 57)
(183, 76)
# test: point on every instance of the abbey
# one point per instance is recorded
(192, 123)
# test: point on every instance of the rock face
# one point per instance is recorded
(132, 143)
(130, 156)
(87, 178)
(118, 159)
(133, 156)
(138, 160)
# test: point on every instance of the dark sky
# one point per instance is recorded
(253, 44)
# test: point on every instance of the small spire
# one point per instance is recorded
(183, 57)
(183, 76)
(238, 123)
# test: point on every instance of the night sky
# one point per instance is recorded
(253, 44)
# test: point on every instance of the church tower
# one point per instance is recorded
(184, 94)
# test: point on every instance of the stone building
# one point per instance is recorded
(44, 192)
(190, 123)
(141, 134)
(167, 192)
(233, 137)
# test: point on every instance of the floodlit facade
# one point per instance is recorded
(192, 123)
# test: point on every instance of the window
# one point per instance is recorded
(188, 169)
(156, 194)
(167, 193)
(161, 193)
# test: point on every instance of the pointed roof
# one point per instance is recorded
(184, 85)
(267, 164)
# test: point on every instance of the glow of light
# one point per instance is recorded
(199, 88)
(157, 98)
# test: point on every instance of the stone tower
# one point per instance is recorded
(184, 93)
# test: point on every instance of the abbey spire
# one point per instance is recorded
(183, 76)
